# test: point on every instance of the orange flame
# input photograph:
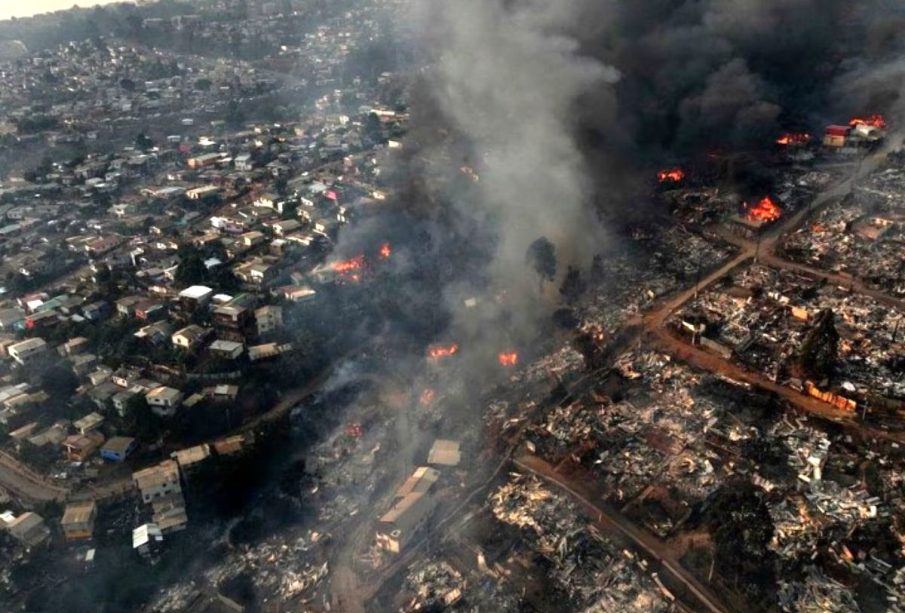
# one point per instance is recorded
(766, 210)
(427, 397)
(794, 138)
(349, 266)
(672, 175)
(386, 250)
(508, 359)
(440, 351)
(876, 121)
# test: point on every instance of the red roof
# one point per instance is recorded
(838, 130)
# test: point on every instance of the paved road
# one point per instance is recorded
(615, 522)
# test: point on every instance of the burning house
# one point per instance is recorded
(754, 218)
(859, 132)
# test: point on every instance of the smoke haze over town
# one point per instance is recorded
(485, 305)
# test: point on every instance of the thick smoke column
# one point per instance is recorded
(508, 80)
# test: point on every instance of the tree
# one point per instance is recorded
(739, 521)
(573, 286)
(191, 269)
(541, 256)
(373, 128)
(140, 421)
(819, 352)
(143, 141)
(59, 382)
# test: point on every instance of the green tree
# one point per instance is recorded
(143, 141)
(191, 269)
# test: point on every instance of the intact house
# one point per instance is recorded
(118, 448)
(158, 481)
(164, 400)
(227, 350)
(27, 351)
(413, 504)
(78, 520)
(236, 318)
(269, 318)
(80, 447)
(29, 528)
(190, 337)
(256, 272)
(121, 401)
(195, 297)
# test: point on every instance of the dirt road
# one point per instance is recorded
(610, 521)
(25, 483)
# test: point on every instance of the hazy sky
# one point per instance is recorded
(18, 8)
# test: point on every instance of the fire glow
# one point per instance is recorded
(876, 121)
(673, 175)
(386, 250)
(351, 266)
(438, 352)
(508, 360)
(793, 138)
(427, 397)
(766, 210)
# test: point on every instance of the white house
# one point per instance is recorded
(164, 400)
(158, 481)
(27, 351)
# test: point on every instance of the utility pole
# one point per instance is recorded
(697, 280)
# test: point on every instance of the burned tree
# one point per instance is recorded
(573, 286)
(739, 521)
(819, 352)
(541, 256)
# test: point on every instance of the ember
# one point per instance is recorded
(674, 175)
(508, 359)
(386, 250)
(354, 430)
(439, 351)
(792, 138)
(765, 210)
(876, 121)
(427, 397)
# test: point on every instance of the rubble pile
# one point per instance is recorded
(561, 363)
(861, 236)
(684, 253)
(434, 587)
(589, 569)
(816, 594)
(282, 567)
(765, 317)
